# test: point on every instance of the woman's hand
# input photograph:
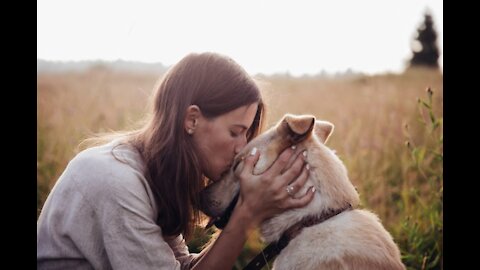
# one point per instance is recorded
(265, 195)
(261, 197)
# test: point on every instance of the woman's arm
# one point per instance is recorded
(223, 253)
(261, 197)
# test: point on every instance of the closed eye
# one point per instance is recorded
(238, 131)
(236, 163)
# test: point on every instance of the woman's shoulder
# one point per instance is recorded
(114, 167)
(109, 158)
(107, 180)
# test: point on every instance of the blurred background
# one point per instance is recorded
(373, 68)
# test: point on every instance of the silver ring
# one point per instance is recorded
(289, 189)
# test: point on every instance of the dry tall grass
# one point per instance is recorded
(370, 114)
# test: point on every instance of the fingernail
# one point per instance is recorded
(294, 147)
(304, 153)
(313, 189)
(253, 152)
(307, 166)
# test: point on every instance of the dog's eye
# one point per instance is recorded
(235, 164)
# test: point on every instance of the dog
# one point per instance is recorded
(341, 236)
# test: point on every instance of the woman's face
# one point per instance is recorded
(221, 138)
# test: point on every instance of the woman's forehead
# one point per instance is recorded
(242, 116)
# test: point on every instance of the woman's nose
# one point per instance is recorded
(240, 145)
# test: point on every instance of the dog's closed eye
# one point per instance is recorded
(237, 162)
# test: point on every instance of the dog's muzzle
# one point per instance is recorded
(222, 221)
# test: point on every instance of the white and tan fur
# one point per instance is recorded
(353, 239)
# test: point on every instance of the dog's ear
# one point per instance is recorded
(323, 130)
(299, 127)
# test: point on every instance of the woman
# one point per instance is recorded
(129, 203)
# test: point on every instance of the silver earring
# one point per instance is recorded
(190, 131)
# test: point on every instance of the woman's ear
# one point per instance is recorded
(191, 118)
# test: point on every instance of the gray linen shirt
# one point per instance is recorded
(101, 214)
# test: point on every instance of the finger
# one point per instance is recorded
(298, 183)
(294, 171)
(302, 201)
(279, 165)
(250, 161)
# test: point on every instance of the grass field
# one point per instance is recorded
(388, 131)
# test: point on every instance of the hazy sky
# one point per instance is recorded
(265, 36)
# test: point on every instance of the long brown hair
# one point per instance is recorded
(217, 85)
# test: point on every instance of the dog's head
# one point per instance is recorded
(218, 199)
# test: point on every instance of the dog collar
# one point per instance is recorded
(275, 248)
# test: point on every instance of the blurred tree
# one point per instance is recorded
(424, 47)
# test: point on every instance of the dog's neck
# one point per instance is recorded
(334, 192)
(309, 221)
(275, 248)
(290, 223)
